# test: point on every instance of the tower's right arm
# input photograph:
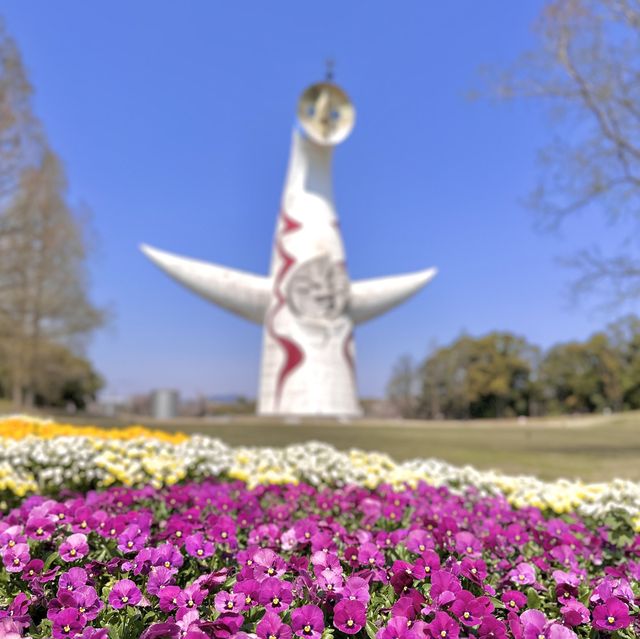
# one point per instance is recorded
(370, 298)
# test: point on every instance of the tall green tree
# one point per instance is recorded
(43, 274)
(489, 376)
(44, 297)
(624, 336)
(583, 377)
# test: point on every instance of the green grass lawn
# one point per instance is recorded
(590, 448)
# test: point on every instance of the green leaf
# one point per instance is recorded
(49, 560)
(533, 600)
(371, 629)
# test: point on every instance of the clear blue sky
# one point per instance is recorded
(173, 120)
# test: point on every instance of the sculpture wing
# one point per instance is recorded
(241, 293)
(370, 298)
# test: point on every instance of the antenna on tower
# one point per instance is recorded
(330, 66)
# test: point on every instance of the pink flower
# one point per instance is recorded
(523, 574)
(612, 615)
(74, 547)
(16, 557)
(398, 628)
(307, 621)
(356, 589)
(575, 613)
(124, 593)
(197, 546)
(444, 627)
(228, 602)
(272, 626)
(9, 629)
(349, 616)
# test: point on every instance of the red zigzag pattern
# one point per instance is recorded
(294, 355)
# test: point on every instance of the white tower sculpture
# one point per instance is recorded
(307, 304)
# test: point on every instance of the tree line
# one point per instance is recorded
(504, 375)
(46, 314)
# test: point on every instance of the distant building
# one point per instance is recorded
(165, 403)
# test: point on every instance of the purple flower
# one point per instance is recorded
(469, 609)
(167, 555)
(356, 589)
(11, 536)
(418, 541)
(197, 546)
(398, 628)
(168, 597)
(228, 602)
(159, 578)
(330, 581)
(370, 556)
(492, 628)
(33, 569)
(268, 564)
(68, 623)
(467, 544)
(164, 630)
(536, 626)
(16, 557)
(18, 610)
(612, 615)
(275, 595)
(87, 602)
(444, 627)
(191, 597)
(224, 531)
(533, 624)
(74, 547)
(574, 613)
(72, 580)
(444, 587)
(307, 621)
(40, 527)
(249, 589)
(9, 629)
(523, 574)
(473, 569)
(83, 520)
(124, 593)
(95, 633)
(271, 626)
(408, 606)
(132, 539)
(349, 616)
(514, 600)
(558, 631)
(566, 578)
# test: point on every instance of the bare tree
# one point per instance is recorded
(402, 389)
(43, 278)
(588, 68)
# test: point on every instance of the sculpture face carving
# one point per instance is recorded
(318, 289)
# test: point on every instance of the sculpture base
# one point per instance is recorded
(311, 413)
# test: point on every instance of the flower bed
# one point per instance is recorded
(44, 457)
(220, 559)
